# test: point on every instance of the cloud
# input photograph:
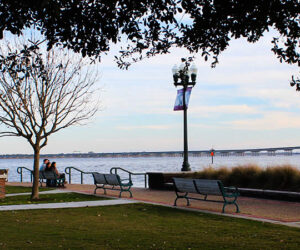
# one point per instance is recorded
(277, 97)
(270, 121)
(224, 109)
(148, 127)
(244, 98)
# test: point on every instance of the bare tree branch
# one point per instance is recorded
(43, 92)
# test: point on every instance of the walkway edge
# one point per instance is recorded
(67, 205)
(41, 192)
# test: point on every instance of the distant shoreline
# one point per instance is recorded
(132, 154)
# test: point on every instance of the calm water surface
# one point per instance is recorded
(144, 164)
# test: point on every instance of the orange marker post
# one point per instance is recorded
(212, 153)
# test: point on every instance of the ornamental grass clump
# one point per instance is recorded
(281, 177)
(211, 173)
(246, 176)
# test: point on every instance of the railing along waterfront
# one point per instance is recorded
(115, 170)
(20, 171)
(69, 172)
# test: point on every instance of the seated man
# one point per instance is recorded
(43, 166)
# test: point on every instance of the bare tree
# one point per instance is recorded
(42, 92)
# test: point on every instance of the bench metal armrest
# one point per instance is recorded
(127, 184)
(231, 191)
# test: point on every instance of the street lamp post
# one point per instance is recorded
(182, 77)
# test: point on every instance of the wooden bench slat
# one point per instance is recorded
(209, 187)
(185, 185)
(50, 175)
(99, 178)
(112, 179)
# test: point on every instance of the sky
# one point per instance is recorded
(245, 102)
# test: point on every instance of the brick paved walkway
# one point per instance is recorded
(280, 211)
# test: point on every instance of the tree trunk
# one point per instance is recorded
(35, 186)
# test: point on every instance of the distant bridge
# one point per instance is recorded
(218, 152)
(199, 153)
(256, 151)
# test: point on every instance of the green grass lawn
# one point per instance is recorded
(138, 226)
(48, 198)
(20, 189)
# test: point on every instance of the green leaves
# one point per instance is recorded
(152, 27)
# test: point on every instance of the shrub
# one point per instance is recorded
(284, 177)
(281, 177)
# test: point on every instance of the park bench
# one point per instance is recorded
(111, 181)
(204, 188)
(52, 176)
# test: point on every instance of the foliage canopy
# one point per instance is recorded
(153, 26)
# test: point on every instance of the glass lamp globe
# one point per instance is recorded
(175, 69)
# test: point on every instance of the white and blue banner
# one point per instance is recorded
(179, 98)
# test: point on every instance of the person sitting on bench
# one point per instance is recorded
(43, 166)
(59, 175)
(49, 183)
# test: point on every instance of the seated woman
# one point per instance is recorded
(48, 166)
(49, 183)
(59, 175)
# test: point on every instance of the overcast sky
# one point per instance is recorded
(245, 102)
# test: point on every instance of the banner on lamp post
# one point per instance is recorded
(179, 98)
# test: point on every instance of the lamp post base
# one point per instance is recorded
(185, 166)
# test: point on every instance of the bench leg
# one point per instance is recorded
(98, 188)
(175, 202)
(125, 190)
(120, 194)
(187, 201)
(60, 183)
(237, 208)
(185, 197)
(226, 203)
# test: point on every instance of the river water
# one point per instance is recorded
(145, 164)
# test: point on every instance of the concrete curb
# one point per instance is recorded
(270, 194)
